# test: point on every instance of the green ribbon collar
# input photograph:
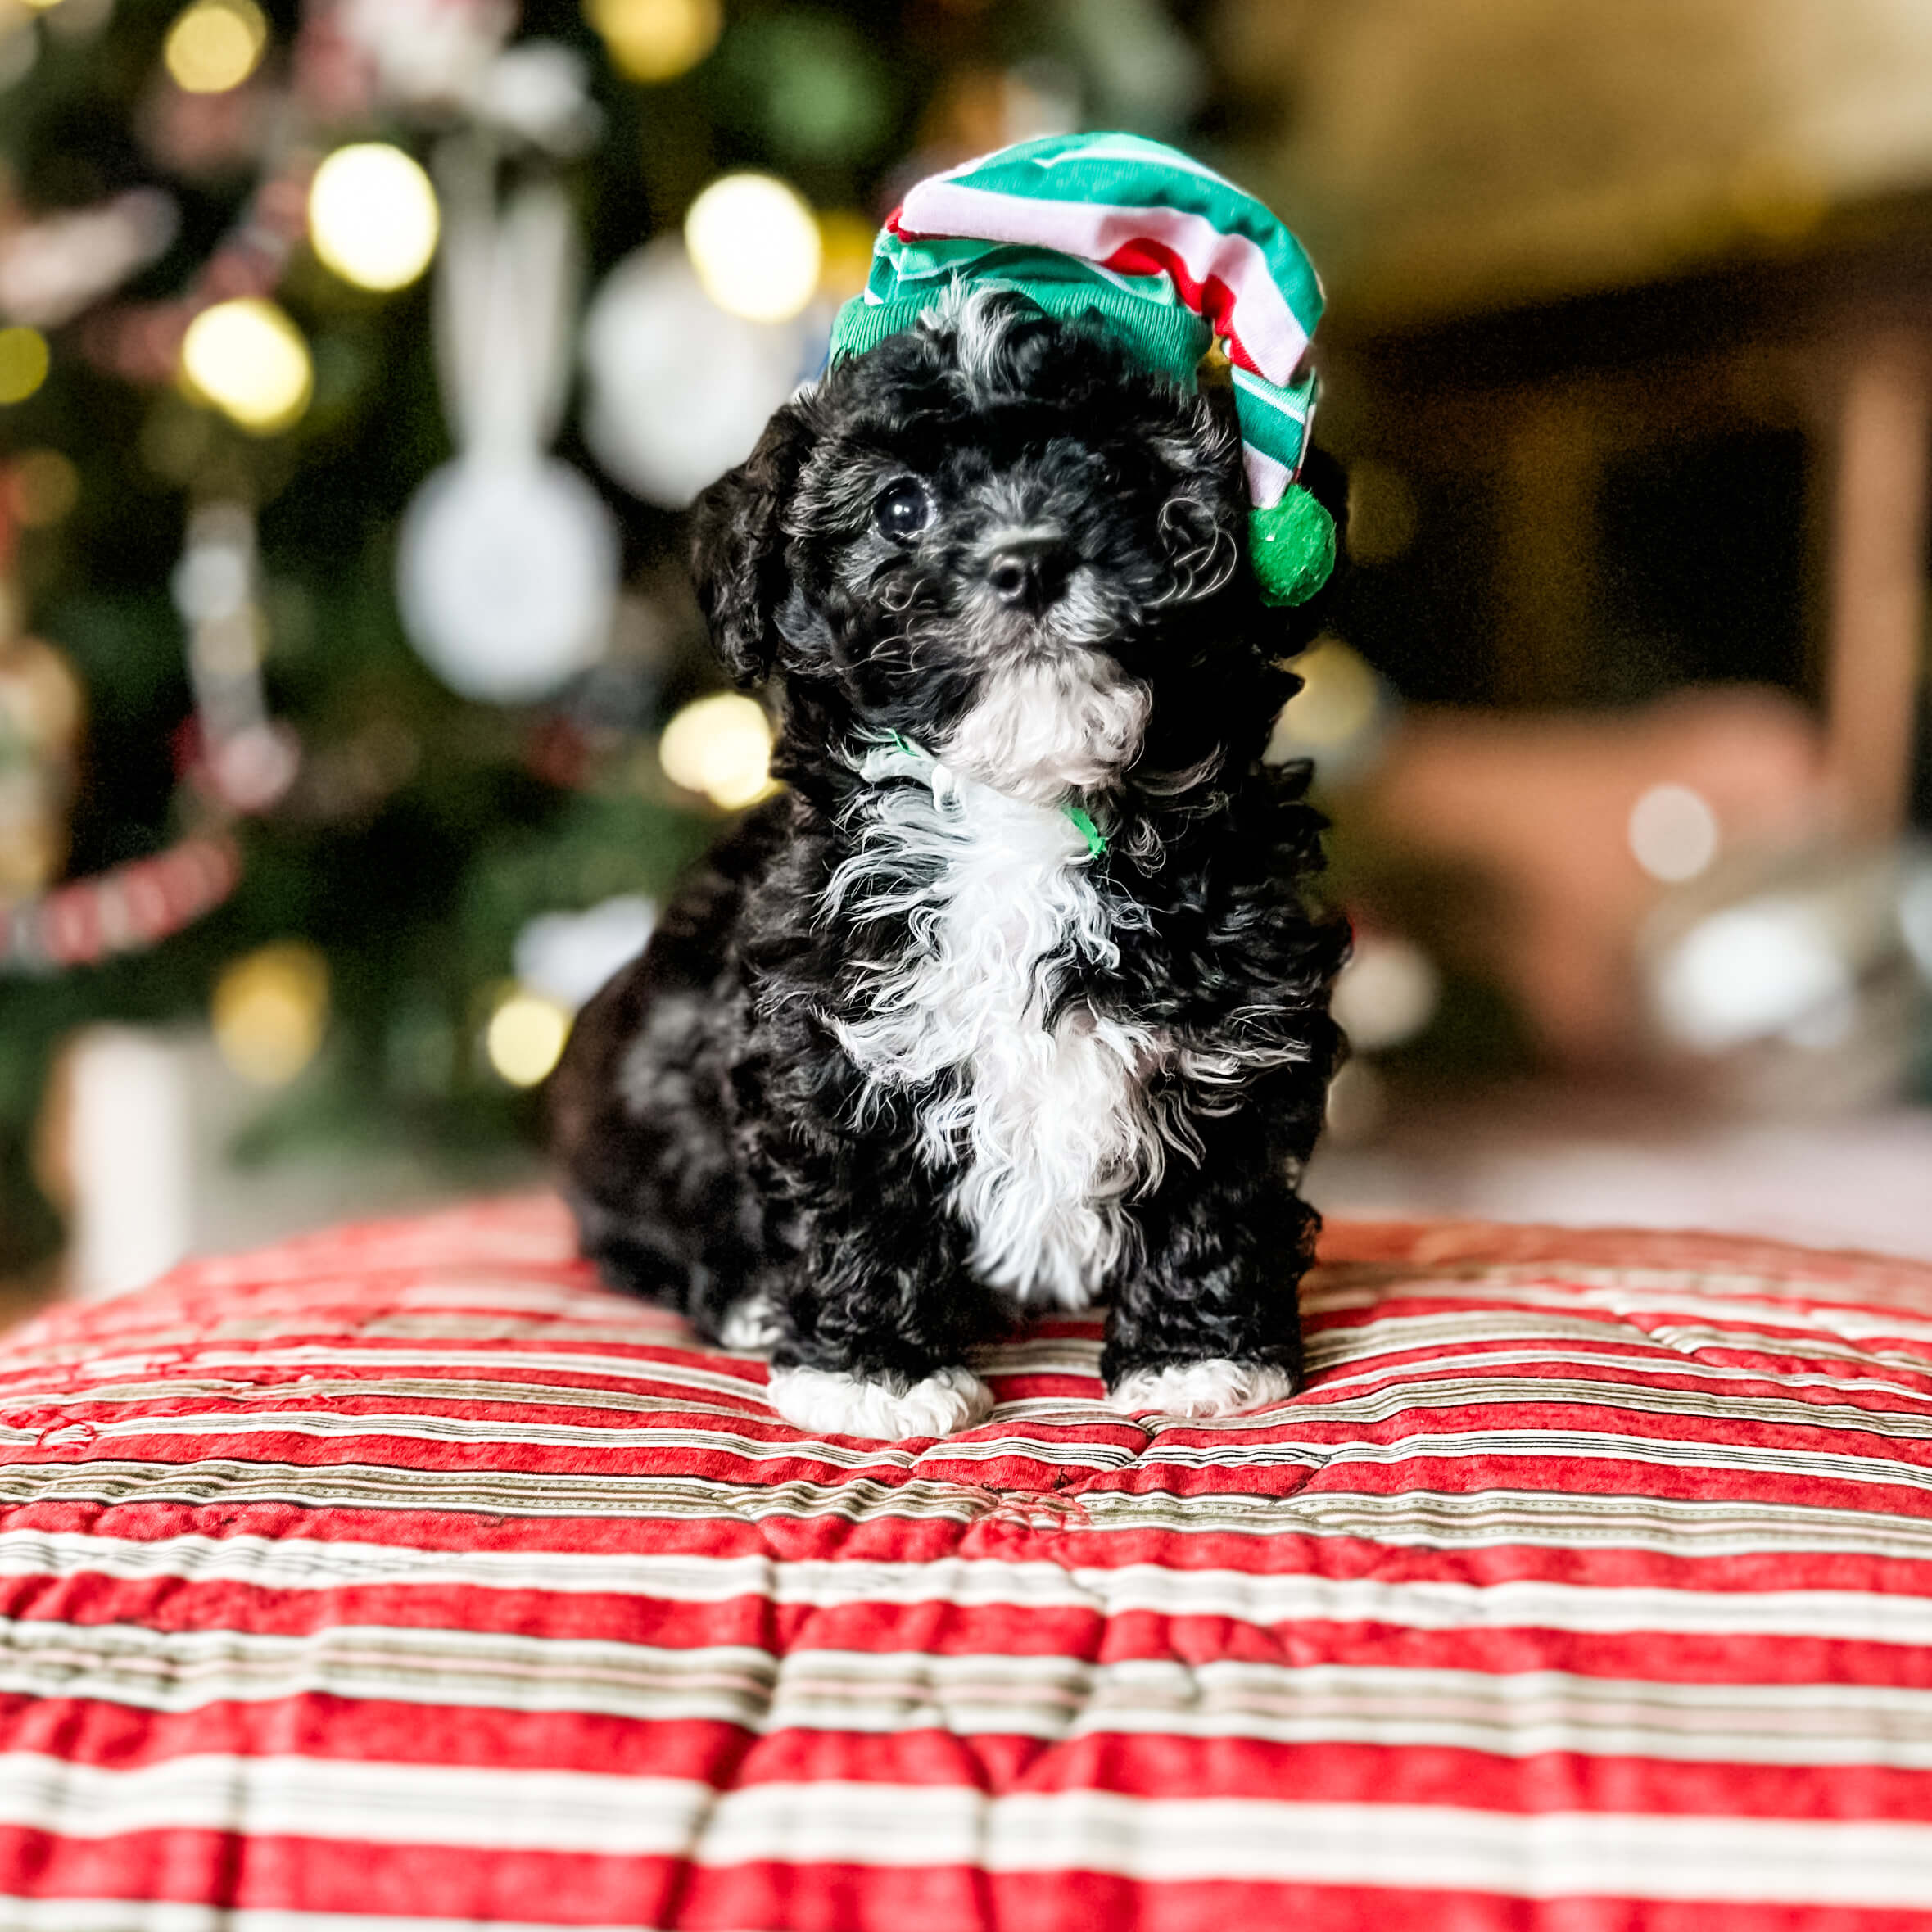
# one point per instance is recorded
(1077, 815)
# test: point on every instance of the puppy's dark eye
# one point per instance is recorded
(902, 510)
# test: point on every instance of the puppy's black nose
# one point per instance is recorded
(1028, 571)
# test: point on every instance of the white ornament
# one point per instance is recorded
(507, 571)
(507, 564)
(427, 51)
(539, 90)
(567, 956)
(679, 389)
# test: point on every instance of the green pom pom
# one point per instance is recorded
(1293, 544)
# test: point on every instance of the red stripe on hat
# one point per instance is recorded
(1211, 298)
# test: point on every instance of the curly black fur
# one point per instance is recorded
(994, 527)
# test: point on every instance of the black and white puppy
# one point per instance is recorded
(1012, 999)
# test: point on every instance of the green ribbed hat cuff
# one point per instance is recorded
(1170, 342)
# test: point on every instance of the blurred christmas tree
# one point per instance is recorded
(337, 627)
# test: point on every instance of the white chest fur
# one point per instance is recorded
(1047, 1130)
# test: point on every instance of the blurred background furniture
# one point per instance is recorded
(356, 361)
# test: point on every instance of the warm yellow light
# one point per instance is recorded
(214, 44)
(373, 215)
(269, 1010)
(46, 486)
(656, 39)
(249, 360)
(721, 746)
(526, 1036)
(23, 362)
(845, 239)
(1339, 697)
(755, 247)
(41, 5)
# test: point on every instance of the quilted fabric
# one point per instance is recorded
(403, 1578)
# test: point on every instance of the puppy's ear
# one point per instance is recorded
(738, 545)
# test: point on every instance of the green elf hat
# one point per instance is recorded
(1164, 253)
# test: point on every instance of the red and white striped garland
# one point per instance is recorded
(127, 909)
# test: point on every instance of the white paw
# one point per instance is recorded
(752, 1323)
(1215, 1387)
(832, 1404)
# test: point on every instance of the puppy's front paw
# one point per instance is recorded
(1202, 1390)
(752, 1323)
(829, 1404)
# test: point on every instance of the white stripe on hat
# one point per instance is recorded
(1267, 480)
(1094, 231)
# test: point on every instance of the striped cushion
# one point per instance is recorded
(403, 1578)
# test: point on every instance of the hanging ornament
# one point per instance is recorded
(246, 760)
(507, 576)
(507, 563)
(538, 91)
(679, 389)
(422, 52)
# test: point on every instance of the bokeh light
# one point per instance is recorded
(1748, 972)
(373, 215)
(1673, 833)
(1382, 512)
(525, 1037)
(755, 247)
(1915, 915)
(845, 239)
(1386, 993)
(721, 746)
(808, 83)
(23, 362)
(43, 487)
(1338, 718)
(1337, 699)
(652, 40)
(214, 44)
(269, 1011)
(249, 360)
